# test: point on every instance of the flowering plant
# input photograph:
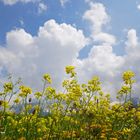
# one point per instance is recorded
(82, 111)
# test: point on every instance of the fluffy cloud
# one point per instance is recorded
(105, 38)
(105, 64)
(132, 57)
(132, 38)
(54, 47)
(97, 16)
(102, 60)
(101, 56)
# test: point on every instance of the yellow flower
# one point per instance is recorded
(103, 136)
(5, 104)
(127, 77)
(126, 130)
(22, 138)
(47, 78)
(38, 130)
(113, 139)
(8, 87)
(25, 91)
(124, 90)
(17, 100)
(38, 94)
(70, 70)
(138, 115)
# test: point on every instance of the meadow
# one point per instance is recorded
(80, 112)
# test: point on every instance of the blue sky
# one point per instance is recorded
(99, 37)
(32, 19)
(124, 15)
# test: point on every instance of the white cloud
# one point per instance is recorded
(104, 63)
(97, 16)
(138, 6)
(42, 8)
(12, 2)
(63, 2)
(54, 47)
(21, 22)
(132, 38)
(105, 38)
(102, 60)
(132, 50)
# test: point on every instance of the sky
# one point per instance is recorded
(98, 37)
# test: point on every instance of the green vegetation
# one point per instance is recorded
(81, 112)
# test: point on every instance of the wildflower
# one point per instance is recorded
(38, 95)
(113, 139)
(47, 78)
(25, 91)
(8, 87)
(138, 115)
(94, 84)
(124, 90)
(22, 138)
(70, 70)
(126, 130)
(5, 104)
(38, 130)
(103, 136)
(17, 100)
(127, 77)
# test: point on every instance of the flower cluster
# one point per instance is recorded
(82, 111)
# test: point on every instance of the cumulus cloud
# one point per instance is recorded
(102, 60)
(132, 38)
(132, 57)
(54, 47)
(103, 63)
(97, 16)
(105, 38)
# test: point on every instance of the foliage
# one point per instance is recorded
(81, 112)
